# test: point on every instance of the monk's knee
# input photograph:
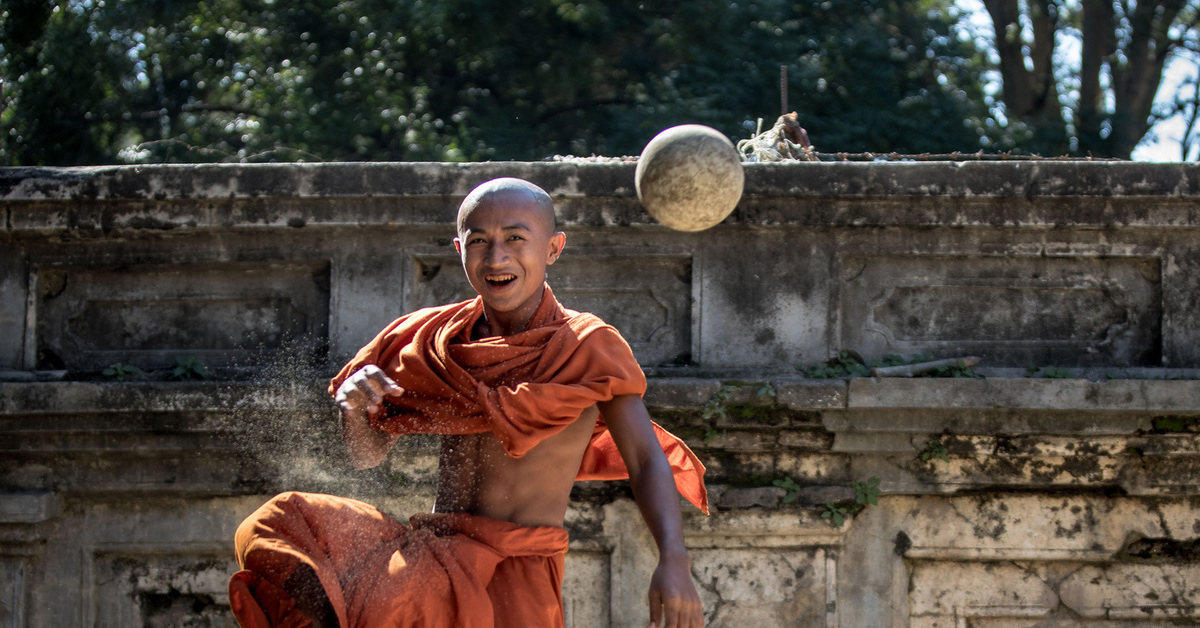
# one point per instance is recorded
(288, 504)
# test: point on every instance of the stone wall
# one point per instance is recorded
(1059, 488)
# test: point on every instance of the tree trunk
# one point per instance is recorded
(1136, 82)
(1133, 60)
(1099, 48)
(1030, 93)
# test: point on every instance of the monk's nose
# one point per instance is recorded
(496, 254)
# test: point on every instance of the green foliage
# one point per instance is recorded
(714, 409)
(120, 371)
(1171, 424)
(842, 366)
(1054, 372)
(187, 368)
(836, 514)
(958, 369)
(717, 408)
(791, 488)
(892, 359)
(866, 493)
(935, 450)
(224, 80)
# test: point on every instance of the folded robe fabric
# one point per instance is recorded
(523, 388)
(448, 570)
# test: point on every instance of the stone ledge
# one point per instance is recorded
(568, 179)
(324, 180)
(1031, 394)
(94, 398)
(860, 396)
(285, 196)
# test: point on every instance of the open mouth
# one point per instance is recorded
(499, 281)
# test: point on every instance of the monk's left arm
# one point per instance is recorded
(674, 602)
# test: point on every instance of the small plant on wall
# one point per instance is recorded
(845, 364)
(120, 372)
(935, 450)
(187, 368)
(865, 494)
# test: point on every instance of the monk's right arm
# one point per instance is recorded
(674, 601)
(360, 396)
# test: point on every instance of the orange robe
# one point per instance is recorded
(447, 570)
(523, 388)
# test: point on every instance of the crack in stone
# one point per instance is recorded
(711, 587)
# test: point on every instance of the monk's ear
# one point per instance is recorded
(458, 246)
(558, 242)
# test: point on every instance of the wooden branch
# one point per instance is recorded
(912, 370)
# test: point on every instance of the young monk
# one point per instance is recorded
(530, 396)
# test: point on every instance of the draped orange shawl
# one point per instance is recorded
(523, 388)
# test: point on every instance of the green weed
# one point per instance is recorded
(934, 449)
(120, 371)
(187, 368)
(792, 490)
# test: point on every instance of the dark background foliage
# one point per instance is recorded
(108, 81)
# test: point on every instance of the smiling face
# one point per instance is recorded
(506, 239)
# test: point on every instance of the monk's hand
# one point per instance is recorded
(363, 392)
(674, 602)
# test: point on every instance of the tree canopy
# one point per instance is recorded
(106, 81)
(1099, 100)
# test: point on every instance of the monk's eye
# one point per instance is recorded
(516, 237)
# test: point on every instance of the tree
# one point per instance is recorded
(1187, 106)
(96, 81)
(1103, 103)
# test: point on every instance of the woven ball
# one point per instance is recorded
(689, 177)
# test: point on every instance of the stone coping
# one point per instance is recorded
(1140, 397)
(580, 178)
(222, 196)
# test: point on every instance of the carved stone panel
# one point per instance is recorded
(1051, 593)
(765, 587)
(647, 298)
(144, 586)
(1006, 560)
(223, 314)
(1013, 311)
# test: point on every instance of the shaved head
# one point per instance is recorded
(512, 189)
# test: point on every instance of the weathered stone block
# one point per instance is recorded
(779, 587)
(1163, 592)
(760, 497)
(972, 591)
(224, 314)
(586, 588)
(1010, 310)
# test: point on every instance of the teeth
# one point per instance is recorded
(501, 278)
